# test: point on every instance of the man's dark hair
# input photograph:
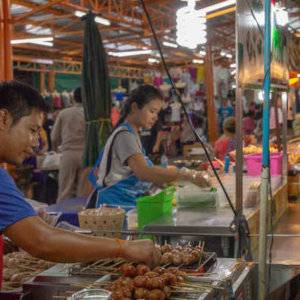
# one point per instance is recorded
(77, 95)
(20, 99)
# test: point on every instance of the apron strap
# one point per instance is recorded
(109, 156)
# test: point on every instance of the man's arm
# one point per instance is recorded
(43, 241)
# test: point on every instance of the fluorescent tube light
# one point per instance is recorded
(202, 52)
(153, 60)
(99, 20)
(102, 21)
(48, 44)
(79, 13)
(198, 61)
(233, 66)
(218, 6)
(32, 40)
(44, 61)
(130, 53)
(168, 44)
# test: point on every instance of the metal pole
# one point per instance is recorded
(211, 113)
(6, 62)
(239, 127)
(284, 135)
(265, 160)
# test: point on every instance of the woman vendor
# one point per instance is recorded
(123, 172)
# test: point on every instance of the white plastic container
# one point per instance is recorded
(132, 222)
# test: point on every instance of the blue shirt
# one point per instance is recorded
(13, 206)
(225, 112)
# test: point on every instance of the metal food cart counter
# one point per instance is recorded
(213, 224)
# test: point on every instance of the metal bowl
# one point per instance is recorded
(91, 294)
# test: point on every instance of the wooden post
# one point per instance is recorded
(209, 86)
(6, 67)
(51, 81)
(43, 79)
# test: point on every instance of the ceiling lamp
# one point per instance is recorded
(153, 60)
(198, 61)
(168, 44)
(99, 20)
(191, 26)
(218, 6)
(130, 53)
(44, 41)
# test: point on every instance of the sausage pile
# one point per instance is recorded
(179, 255)
(20, 267)
(138, 282)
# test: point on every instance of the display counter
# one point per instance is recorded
(236, 278)
(215, 222)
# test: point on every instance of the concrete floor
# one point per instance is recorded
(286, 249)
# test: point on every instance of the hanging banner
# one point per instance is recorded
(250, 45)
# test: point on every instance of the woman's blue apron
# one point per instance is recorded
(124, 192)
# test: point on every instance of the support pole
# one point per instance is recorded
(264, 191)
(239, 127)
(51, 81)
(43, 79)
(6, 62)
(209, 85)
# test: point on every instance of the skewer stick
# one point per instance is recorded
(200, 285)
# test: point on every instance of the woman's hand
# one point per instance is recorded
(201, 179)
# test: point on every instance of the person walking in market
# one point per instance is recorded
(68, 134)
(225, 111)
(21, 118)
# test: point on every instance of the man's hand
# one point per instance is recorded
(142, 251)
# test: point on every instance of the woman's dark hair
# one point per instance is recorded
(250, 114)
(20, 99)
(142, 95)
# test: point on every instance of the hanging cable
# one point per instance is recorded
(198, 138)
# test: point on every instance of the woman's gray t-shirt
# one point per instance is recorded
(125, 145)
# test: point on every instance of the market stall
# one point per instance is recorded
(206, 278)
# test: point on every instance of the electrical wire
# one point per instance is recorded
(198, 138)
(254, 17)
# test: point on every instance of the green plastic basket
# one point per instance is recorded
(151, 208)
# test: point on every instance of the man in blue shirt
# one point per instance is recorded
(21, 117)
(225, 111)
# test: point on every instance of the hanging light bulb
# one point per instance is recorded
(191, 26)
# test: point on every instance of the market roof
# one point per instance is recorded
(128, 29)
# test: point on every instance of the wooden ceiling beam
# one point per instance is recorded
(110, 17)
(34, 6)
(37, 9)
